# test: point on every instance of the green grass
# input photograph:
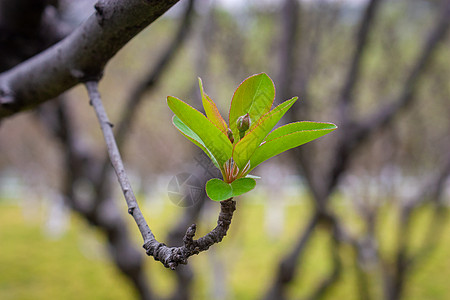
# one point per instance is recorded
(76, 265)
(33, 266)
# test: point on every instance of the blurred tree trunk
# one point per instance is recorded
(323, 179)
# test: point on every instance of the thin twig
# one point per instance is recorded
(147, 83)
(106, 217)
(170, 257)
(116, 161)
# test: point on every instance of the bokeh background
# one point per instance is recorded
(358, 214)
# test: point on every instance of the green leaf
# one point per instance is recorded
(245, 148)
(287, 137)
(193, 137)
(254, 96)
(242, 185)
(219, 190)
(211, 110)
(213, 139)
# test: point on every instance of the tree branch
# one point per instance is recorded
(82, 165)
(116, 161)
(171, 257)
(145, 85)
(387, 113)
(357, 133)
(154, 75)
(346, 96)
(83, 54)
(289, 265)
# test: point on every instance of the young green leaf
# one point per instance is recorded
(214, 140)
(211, 110)
(255, 96)
(287, 137)
(193, 137)
(244, 149)
(242, 185)
(219, 190)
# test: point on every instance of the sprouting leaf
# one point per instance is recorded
(244, 149)
(247, 141)
(242, 185)
(219, 190)
(211, 110)
(255, 96)
(214, 140)
(193, 137)
(287, 137)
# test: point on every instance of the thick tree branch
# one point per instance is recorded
(145, 85)
(171, 257)
(289, 265)
(288, 47)
(150, 79)
(346, 96)
(328, 281)
(405, 259)
(83, 54)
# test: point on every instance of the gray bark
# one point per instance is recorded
(80, 56)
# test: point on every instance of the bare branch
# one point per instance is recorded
(387, 113)
(116, 161)
(82, 55)
(288, 46)
(333, 276)
(405, 259)
(150, 80)
(145, 85)
(82, 165)
(346, 97)
(357, 133)
(290, 263)
(171, 257)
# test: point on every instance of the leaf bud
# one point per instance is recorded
(230, 135)
(243, 122)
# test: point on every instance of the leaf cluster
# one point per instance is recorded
(247, 140)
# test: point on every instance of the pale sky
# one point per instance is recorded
(233, 4)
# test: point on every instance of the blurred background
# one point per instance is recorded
(358, 214)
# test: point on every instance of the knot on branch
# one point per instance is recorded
(99, 12)
(171, 257)
(188, 239)
(6, 97)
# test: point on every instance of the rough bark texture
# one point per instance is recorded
(80, 56)
(171, 257)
